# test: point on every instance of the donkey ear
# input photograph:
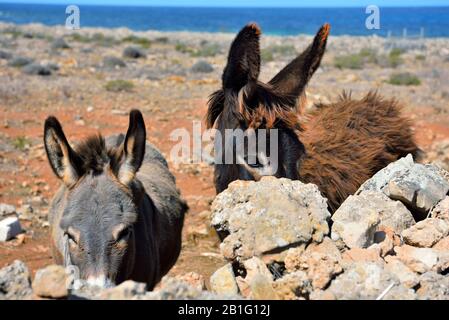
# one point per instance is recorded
(133, 147)
(294, 77)
(66, 164)
(243, 59)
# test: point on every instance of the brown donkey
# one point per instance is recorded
(118, 214)
(337, 147)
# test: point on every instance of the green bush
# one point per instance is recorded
(21, 143)
(207, 50)
(14, 32)
(119, 86)
(352, 61)
(283, 50)
(105, 41)
(143, 42)
(368, 55)
(396, 51)
(99, 38)
(420, 57)
(404, 79)
(161, 39)
(80, 38)
(266, 55)
(182, 47)
(269, 53)
(394, 58)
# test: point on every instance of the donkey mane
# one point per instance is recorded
(258, 105)
(95, 155)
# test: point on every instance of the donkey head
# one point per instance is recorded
(101, 200)
(260, 110)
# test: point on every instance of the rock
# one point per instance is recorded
(366, 280)
(405, 275)
(262, 288)
(360, 207)
(385, 239)
(258, 280)
(223, 281)
(193, 279)
(255, 266)
(268, 216)
(52, 66)
(7, 209)
(293, 286)
(419, 260)
(382, 177)
(37, 69)
(441, 210)
(243, 285)
(125, 291)
(15, 283)
(321, 262)
(353, 255)
(426, 233)
(442, 245)
(9, 228)
(355, 222)
(51, 282)
(418, 186)
(421, 187)
(173, 289)
(59, 43)
(19, 62)
(433, 286)
(26, 212)
(202, 67)
(444, 173)
(292, 260)
(134, 53)
(322, 295)
(5, 55)
(113, 62)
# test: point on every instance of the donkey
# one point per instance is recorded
(118, 214)
(337, 147)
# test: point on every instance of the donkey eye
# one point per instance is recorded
(124, 234)
(71, 238)
(254, 163)
(72, 235)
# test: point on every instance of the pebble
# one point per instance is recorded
(9, 228)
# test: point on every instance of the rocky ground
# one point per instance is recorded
(91, 78)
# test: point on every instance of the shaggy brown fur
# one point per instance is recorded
(349, 141)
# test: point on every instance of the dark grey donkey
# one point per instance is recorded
(118, 214)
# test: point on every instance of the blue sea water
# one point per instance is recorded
(280, 21)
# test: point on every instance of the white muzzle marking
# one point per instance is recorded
(100, 281)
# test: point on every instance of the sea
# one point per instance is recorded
(414, 21)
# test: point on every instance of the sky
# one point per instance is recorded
(246, 3)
